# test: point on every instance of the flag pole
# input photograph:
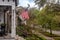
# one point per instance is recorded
(28, 6)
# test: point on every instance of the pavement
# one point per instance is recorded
(54, 32)
(7, 39)
(41, 35)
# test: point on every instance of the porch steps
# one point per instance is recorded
(2, 38)
(7, 39)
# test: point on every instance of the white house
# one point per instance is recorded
(8, 16)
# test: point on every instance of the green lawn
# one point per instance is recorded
(54, 28)
(57, 38)
(26, 33)
(49, 35)
(34, 37)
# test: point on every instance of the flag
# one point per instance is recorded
(24, 15)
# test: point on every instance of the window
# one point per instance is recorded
(2, 0)
(13, 0)
(8, 0)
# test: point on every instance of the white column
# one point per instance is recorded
(13, 28)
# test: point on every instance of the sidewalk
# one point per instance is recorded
(54, 32)
(41, 35)
(7, 39)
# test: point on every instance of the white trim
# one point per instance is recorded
(7, 3)
(13, 29)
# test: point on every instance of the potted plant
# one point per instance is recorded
(3, 25)
(3, 29)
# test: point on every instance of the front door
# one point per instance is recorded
(5, 18)
(1, 21)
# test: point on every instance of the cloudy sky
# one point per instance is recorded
(25, 2)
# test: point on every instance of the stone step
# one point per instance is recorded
(7, 39)
(2, 38)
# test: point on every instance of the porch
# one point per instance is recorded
(7, 18)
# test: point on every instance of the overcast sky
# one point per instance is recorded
(25, 2)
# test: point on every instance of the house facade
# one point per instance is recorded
(8, 16)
